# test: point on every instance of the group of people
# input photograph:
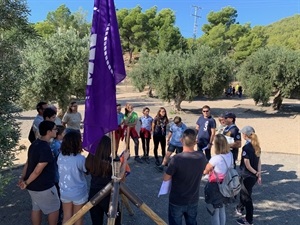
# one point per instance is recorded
(185, 170)
(55, 171)
(234, 90)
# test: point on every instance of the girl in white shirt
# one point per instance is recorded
(217, 167)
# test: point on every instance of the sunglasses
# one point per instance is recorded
(205, 111)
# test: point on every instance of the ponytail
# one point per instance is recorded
(255, 144)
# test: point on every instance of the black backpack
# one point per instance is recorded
(31, 135)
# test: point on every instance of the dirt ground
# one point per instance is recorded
(277, 201)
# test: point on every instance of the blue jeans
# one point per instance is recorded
(176, 212)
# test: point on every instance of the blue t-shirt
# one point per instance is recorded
(72, 182)
(177, 132)
(55, 148)
(120, 118)
(204, 131)
(146, 122)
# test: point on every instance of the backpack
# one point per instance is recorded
(231, 184)
(31, 135)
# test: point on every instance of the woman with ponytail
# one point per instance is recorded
(250, 173)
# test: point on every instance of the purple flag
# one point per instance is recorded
(106, 70)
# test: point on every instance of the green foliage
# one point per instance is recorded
(271, 69)
(179, 75)
(14, 30)
(227, 16)
(149, 30)
(231, 38)
(61, 20)
(55, 69)
(284, 33)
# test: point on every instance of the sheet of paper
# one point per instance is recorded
(165, 187)
(230, 140)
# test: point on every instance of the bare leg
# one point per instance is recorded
(36, 217)
(166, 158)
(76, 208)
(53, 218)
(68, 211)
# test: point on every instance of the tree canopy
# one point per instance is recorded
(177, 76)
(271, 69)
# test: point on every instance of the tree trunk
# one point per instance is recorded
(277, 102)
(177, 103)
(130, 55)
(150, 94)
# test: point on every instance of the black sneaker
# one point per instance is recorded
(243, 221)
(157, 162)
(138, 159)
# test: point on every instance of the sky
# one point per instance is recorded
(255, 12)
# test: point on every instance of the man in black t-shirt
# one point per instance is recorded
(185, 171)
(38, 176)
(231, 130)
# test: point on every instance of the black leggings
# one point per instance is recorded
(162, 141)
(97, 212)
(145, 144)
(245, 197)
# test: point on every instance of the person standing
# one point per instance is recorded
(174, 141)
(38, 176)
(216, 168)
(206, 126)
(119, 133)
(34, 130)
(232, 131)
(72, 181)
(130, 120)
(222, 124)
(145, 133)
(72, 118)
(250, 173)
(159, 127)
(184, 172)
(99, 166)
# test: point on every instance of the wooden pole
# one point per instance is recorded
(94, 201)
(141, 205)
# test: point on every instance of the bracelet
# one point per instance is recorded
(25, 183)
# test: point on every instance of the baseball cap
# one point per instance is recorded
(230, 115)
(248, 130)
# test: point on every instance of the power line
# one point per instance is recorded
(196, 17)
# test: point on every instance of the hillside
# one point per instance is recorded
(285, 32)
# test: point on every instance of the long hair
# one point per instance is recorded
(100, 163)
(255, 144)
(70, 110)
(126, 108)
(165, 117)
(221, 144)
(71, 143)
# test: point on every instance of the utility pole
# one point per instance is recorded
(196, 17)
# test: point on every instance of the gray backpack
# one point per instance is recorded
(231, 185)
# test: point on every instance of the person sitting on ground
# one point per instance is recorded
(173, 140)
